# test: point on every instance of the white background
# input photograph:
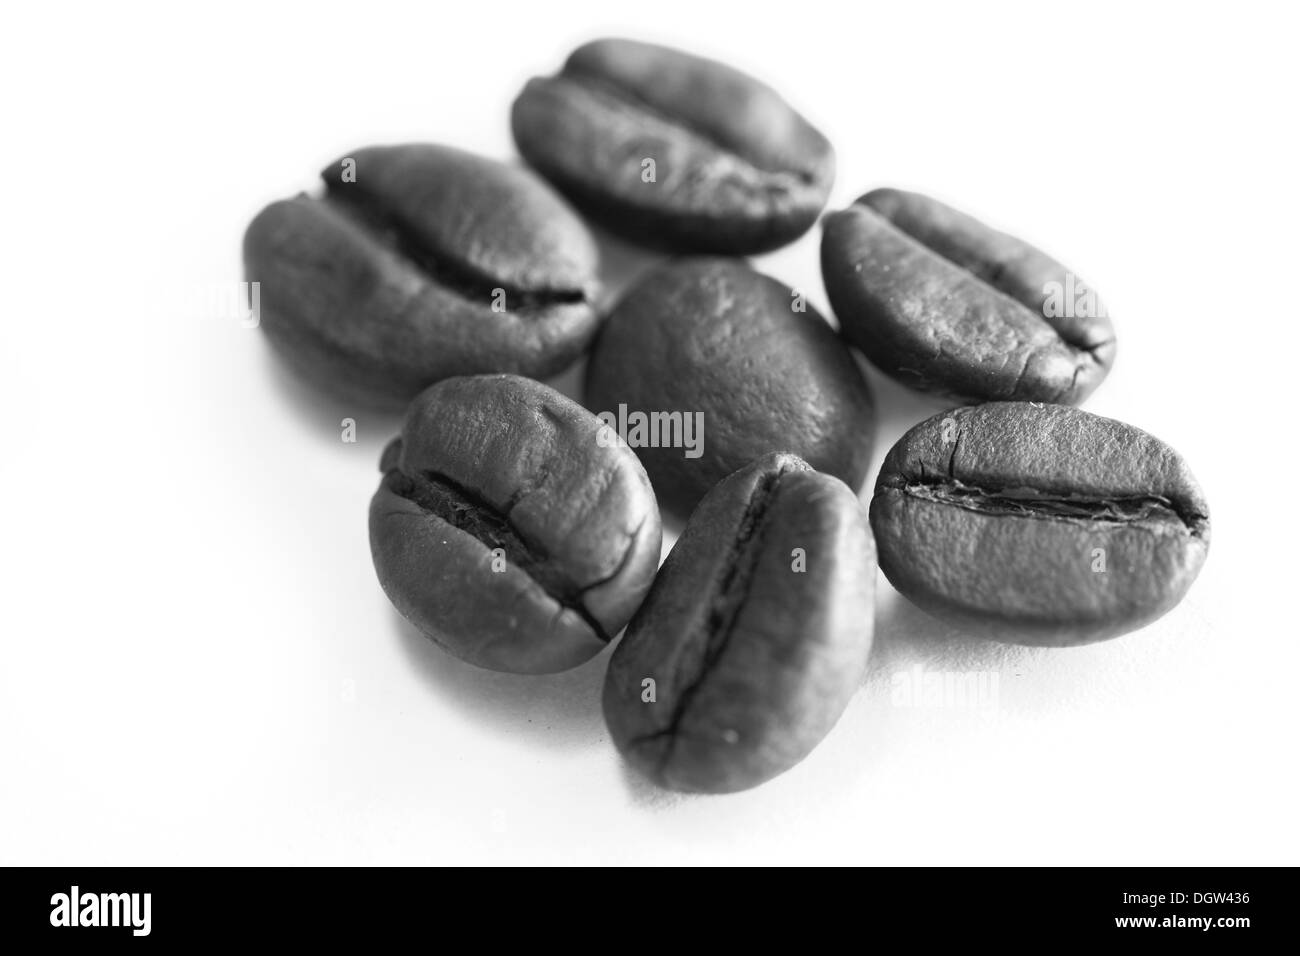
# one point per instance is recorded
(198, 665)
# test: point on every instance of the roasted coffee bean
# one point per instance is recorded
(716, 343)
(754, 636)
(945, 304)
(505, 532)
(671, 150)
(420, 263)
(1038, 524)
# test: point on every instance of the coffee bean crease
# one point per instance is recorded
(723, 610)
(387, 227)
(1034, 503)
(445, 499)
(622, 99)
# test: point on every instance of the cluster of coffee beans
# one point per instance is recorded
(521, 531)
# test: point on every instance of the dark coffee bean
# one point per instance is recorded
(1038, 524)
(505, 532)
(718, 343)
(669, 149)
(754, 636)
(420, 263)
(945, 304)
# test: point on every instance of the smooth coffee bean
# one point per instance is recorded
(744, 359)
(505, 532)
(1038, 524)
(420, 263)
(672, 150)
(945, 304)
(754, 636)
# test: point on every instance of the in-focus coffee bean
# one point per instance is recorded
(505, 532)
(1038, 524)
(754, 636)
(716, 343)
(945, 304)
(673, 150)
(423, 262)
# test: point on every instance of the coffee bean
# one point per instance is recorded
(712, 338)
(673, 150)
(505, 532)
(945, 304)
(420, 263)
(754, 636)
(1038, 524)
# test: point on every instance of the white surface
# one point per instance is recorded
(198, 665)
